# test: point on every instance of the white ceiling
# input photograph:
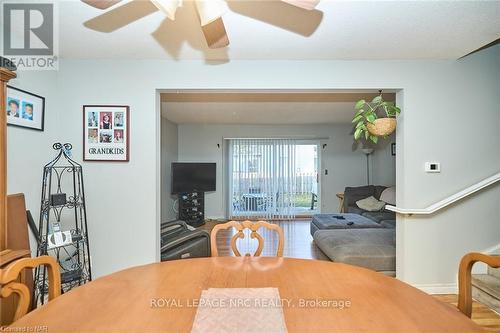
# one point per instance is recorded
(273, 113)
(263, 108)
(274, 30)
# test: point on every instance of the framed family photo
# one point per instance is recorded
(25, 109)
(106, 134)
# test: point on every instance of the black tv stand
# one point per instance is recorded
(192, 208)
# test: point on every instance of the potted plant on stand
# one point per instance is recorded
(375, 119)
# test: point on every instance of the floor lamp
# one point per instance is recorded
(367, 152)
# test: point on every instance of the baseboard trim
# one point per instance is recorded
(445, 288)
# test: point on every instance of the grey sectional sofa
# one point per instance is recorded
(370, 248)
(361, 244)
(353, 194)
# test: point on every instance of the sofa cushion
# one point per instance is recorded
(378, 189)
(353, 194)
(370, 248)
(340, 221)
(391, 224)
(389, 195)
(380, 216)
(370, 204)
(354, 210)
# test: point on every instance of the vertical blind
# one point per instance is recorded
(262, 178)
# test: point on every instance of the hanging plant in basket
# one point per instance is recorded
(375, 119)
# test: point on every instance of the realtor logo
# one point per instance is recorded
(29, 35)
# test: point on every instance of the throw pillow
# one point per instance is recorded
(389, 195)
(370, 204)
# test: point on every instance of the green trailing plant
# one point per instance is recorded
(367, 113)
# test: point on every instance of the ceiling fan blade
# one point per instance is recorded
(291, 18)
(101, 4)
(304, 4)
(215, 34)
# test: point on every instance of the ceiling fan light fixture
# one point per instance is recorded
(210, 10)
(168, 7)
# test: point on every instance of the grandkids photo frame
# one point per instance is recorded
(25, 109)
(106, 133)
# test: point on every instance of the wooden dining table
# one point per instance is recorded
(318, 296)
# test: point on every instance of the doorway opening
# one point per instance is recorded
(283, 156)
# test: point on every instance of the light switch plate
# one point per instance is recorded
(432, 167)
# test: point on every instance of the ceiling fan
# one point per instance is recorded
(209, 12)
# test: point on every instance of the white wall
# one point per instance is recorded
(448, 109)
(383, 164)
(169, 152)
(30, 150)
(198, 143)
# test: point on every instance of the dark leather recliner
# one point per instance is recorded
(179, 242)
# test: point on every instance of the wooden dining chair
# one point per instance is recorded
(9, 279)
(240, 226)
(464, 278)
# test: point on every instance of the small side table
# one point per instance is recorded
(341, 201)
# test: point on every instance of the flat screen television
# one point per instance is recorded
(193, 177)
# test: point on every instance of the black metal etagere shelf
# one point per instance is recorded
(63, 217)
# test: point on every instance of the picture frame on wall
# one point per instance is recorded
(106, 133)
(393, 149)
(25, 109)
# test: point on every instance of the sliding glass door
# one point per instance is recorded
(307, 166)
(270, 179)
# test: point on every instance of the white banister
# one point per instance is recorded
(448, 201)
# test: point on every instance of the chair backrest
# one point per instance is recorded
(241, 226)
(9, 281)
(464, 278)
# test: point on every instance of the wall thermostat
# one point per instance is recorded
(432, 167)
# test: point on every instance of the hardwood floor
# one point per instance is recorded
(481, 314)
(299, 244)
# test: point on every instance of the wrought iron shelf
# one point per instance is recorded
(76, 237)
(63, 190)
(71, 276)
(68, 205)
(69, 279)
